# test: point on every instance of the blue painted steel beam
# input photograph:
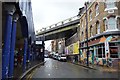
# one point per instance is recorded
(13, 39)
(25, 53)
(29, 52)
(6, 47)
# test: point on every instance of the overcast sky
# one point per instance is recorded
(48, 12)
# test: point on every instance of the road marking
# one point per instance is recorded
(31, 75)
(48, 74)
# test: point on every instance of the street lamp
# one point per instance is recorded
(86, 3)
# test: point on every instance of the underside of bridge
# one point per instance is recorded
(64, 32)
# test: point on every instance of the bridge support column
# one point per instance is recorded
(13, 39)
(25, 53)
(7, 41)
(28, 55)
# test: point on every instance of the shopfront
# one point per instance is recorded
(101, 49)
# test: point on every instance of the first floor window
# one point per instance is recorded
(82, 36)
(91, 30)
(105, 24)
(111, 23)
(90, 15)
(98, 27)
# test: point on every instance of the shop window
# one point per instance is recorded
(114, 52)
(97, 9)
(99, 52)
(112, 44)
(114, 55)
(118, 23)
(103, 52)
(112, 23)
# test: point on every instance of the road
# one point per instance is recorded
(56, 69)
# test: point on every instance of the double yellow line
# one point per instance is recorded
(29, 76)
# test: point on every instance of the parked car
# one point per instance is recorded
(62, 57)
(46, 55)
(55, 56)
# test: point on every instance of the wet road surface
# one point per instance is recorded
(56, 69)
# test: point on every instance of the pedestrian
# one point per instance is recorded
(109, 62)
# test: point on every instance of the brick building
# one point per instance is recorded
(58, 45)
(103, 29)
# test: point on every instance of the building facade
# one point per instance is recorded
(72, 47)
(103, 20)
(58, 46)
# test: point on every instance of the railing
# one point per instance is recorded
(58, 24)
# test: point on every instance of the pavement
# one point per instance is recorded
(0, 64)
(99, 67)
(18, 71)
(56, 69)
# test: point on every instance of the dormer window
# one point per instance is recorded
(110, 5)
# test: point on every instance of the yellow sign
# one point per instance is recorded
(76, 48)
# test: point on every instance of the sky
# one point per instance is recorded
(48, 12)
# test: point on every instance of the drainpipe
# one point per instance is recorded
(13, 39)
(87, 34)
(7, 41)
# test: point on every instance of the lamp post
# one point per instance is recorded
(86, 3)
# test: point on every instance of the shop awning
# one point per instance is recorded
(109, 38)
(93, 42)
(102, 39)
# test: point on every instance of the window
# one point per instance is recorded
(82, 25)
(82, 36)
(105, 24)
(110, 4)
(90, 15)
(118, 23)
(98, 27)
(111, 23)
(97, 9)
(114, 52)
(100, 52)
(91, 30)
